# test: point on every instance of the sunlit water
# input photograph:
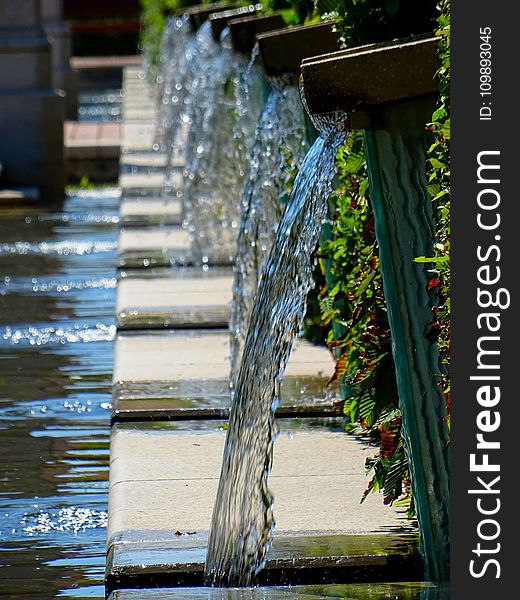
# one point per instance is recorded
(221, 116)
(243, 521)
(277, 153)
(178, 50)
(57, 296)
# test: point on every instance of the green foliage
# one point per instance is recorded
(439, 189)
(352, 303)
(153, 18)
(368, 21)
(297, 11)
(353, 308)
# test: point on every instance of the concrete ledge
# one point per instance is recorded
(144, 159)
(219, 20)
(209, 399)
(153, 246)
(149, 211)
(200, 13)
(360, 78)
(138, 136)
(154, 180)
(352, 591)
(317, 506)
(199, 355)
(282, 51)
(174, 302)
(244, 30)
(194, 382)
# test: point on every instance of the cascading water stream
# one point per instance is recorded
(276, 154)
(178, 43)
(215, 150)
(195, 57)
(243, 522)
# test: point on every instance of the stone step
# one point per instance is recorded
(163, 482)
(149, 211)
(352, 591)
(199, 355)
(144, 159)
(138, 136)
(154, 246)
(194, 380)
(150, 179)
(174, 302)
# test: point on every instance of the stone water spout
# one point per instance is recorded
(243, 518)
(281, 142)
(389, 91)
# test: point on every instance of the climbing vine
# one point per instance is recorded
(439, 189)
(352, 301)
(353, 308)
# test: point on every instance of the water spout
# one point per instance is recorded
(215, 151)
(243, 521)
(277, 152)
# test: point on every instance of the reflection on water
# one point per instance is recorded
(57, 293)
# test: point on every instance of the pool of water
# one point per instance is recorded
(57, 297)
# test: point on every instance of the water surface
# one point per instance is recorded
(57, 296)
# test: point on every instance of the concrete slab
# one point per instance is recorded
(135, 211)
(138, 114)
(142, 180)
(148, 178)
(138, 136)
(153, 246)
(306, 397)
(163, 484)
(188, 272)
(352, 591)
(144, 159)
(193, 383)
(174, 302)
(199, 355)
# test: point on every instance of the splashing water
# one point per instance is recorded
(178, 49)
(70, 519)
(277, 152)
(222, 121)
(242, 522)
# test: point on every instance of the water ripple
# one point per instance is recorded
(69, 519)
(63, 248)
(44, 285)
(40, 336)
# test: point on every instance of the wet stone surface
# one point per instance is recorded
(293, 559)
(360, 591)
(174, 302)
(163, 483)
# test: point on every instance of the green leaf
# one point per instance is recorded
(365, 283)
(363, 187)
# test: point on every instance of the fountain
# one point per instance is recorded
(217, 145)
(243, 521)
(163, 543)
(277, 153)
